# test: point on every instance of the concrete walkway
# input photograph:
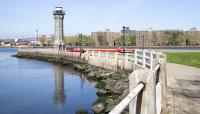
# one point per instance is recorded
(183, 89)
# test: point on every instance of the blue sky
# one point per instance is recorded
(20, 18)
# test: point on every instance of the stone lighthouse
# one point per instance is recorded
(59, 34)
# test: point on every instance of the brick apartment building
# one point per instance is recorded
(152, 37)
(105, 38)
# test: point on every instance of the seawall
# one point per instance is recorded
(87, 58)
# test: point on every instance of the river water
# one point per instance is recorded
(36, 87)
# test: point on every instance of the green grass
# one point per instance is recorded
(185, 58)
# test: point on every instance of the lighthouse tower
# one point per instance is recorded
(59, 34)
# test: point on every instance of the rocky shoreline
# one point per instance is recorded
(112, 86)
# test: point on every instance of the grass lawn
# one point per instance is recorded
(185, 58)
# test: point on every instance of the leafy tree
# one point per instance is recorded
(72, 40)
(52, 37)
(194, 39)
(182, 37)
(118, 41)
(42, 40)
(87, 40)
(48, 42)
(76, 41)
(170, 37)
(130, 40)
(154, 39)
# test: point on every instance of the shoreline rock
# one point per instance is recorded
(82, 111)
(98, 108)
(112, 86)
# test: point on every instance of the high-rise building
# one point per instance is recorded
(167, 37)
(105, 38)
(150, 37)
(194, 36)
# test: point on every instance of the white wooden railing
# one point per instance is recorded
(125, 102)
(154, 80)
(146, 58)
(154, 77)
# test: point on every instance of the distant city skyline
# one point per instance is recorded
(21, 18)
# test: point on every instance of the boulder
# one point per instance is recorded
(101, 92)
(78, 67)
(91, 74)
(106, 74)
(98, 108)
(82, 111)
(109, 108)
(119, 84)
(110, 102)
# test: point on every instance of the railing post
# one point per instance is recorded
(151, 60)
(135, 54)
(145, 103)
(158, 54)
(143, 58)
(126, 57)
(116, 55)
(163, 79)
(107, 54)
(99, 54)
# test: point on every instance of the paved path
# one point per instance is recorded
(183, 89)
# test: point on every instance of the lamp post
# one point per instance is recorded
(124, 29)
(143, 42)
(36, 36)
(81, 39)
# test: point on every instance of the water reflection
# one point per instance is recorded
(82, 82)
(50, 88)
(59, 86)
